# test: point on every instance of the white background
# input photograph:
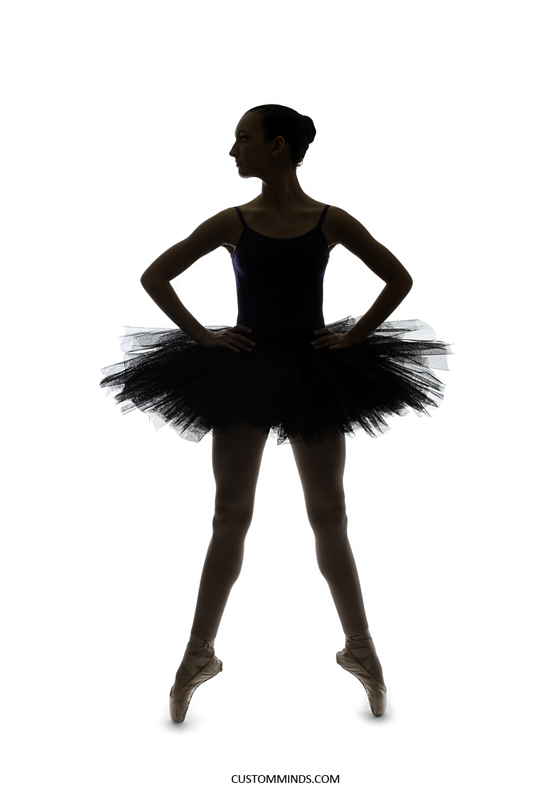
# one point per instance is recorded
(119, 118)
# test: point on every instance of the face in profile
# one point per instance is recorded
(252, 154)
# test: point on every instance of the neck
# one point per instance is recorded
(282, 192)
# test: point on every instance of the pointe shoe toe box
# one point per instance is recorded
(180, 700)
(376, 692)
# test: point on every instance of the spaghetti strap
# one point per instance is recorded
(238, 210)
(323, 215)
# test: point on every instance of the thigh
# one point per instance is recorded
(237, 458)
(321, 471)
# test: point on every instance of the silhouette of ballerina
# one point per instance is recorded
(281, 372)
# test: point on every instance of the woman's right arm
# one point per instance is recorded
(156, 279)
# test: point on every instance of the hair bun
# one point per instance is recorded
(310, 129)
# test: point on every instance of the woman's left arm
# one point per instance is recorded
(346, 230)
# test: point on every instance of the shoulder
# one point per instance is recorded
(216, 231)
(225, 217)
(345, 229)
(222, 229)
(232, 228)
(228, 228)
(342, 222)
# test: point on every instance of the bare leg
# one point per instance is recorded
(321, 471)
(236, 461)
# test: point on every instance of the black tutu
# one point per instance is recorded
(284, 387)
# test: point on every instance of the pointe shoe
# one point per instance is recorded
(201, 669)
(357, 657)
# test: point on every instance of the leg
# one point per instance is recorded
(321, 471)
(236, 461)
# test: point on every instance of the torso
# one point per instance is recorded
(284, 227)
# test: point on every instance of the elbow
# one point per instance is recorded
(403, 285)
(407, 289)
(149, 278)
(407, 283)
(146, 278)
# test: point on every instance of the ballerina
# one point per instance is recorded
(281, 372)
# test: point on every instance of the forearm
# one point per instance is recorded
(162, 293)
(389, 299)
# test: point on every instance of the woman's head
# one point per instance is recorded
(274, 130)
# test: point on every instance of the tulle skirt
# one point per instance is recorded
(285, 387)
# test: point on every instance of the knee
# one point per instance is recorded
(232, 518)
(328, 518)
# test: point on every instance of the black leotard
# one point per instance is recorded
(279, 281)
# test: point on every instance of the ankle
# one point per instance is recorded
(360, 634)
(197, 643)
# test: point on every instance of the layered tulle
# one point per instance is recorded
(284, 387)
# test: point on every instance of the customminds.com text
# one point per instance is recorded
(285, 778)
